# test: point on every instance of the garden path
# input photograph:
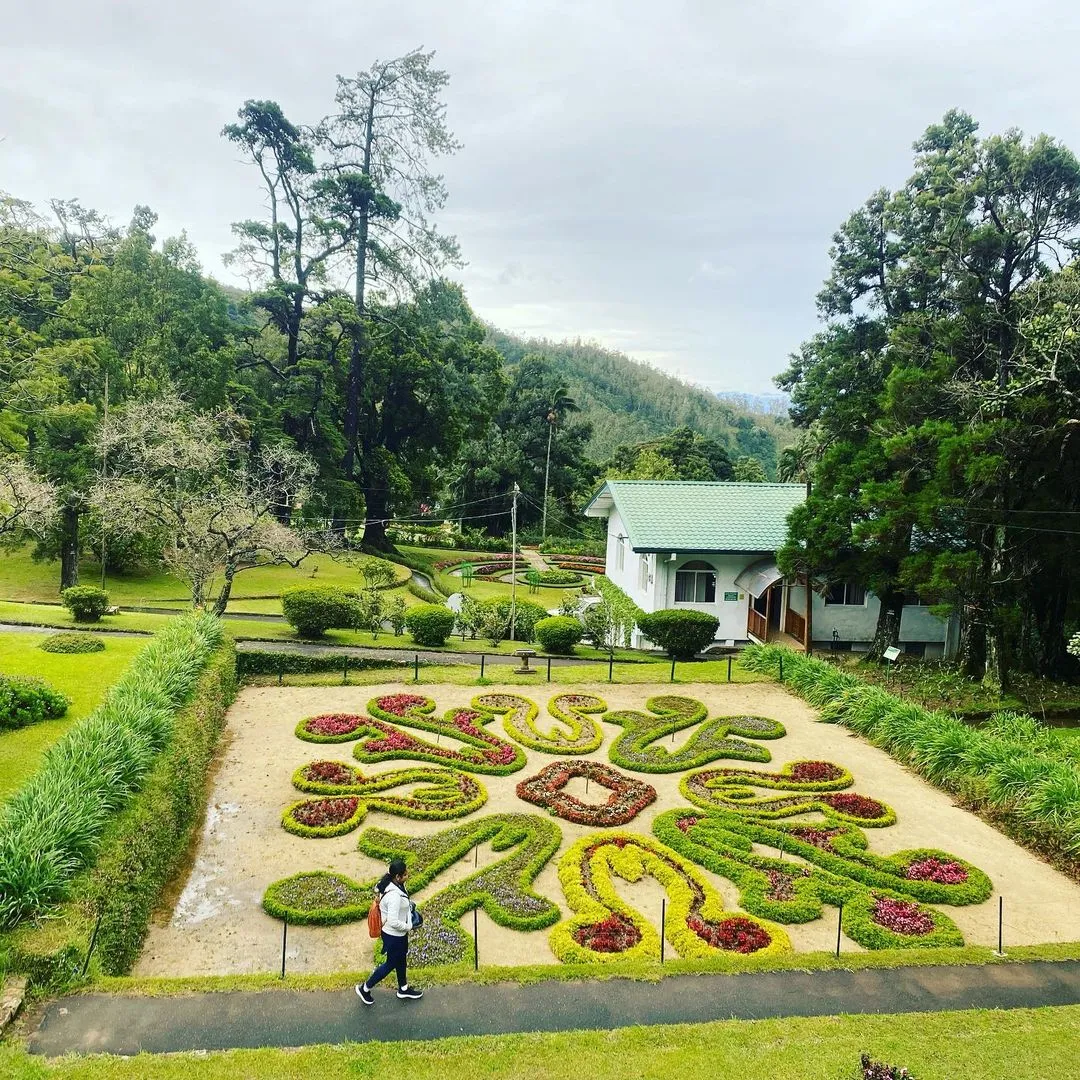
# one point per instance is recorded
(114, 1024)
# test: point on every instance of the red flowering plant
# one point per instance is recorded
(942, 871)
(614, 934)
(901, 916)
(629, 796)
(331, 727)
(859, 807)
(733, 934)
(323, 817)
(329, 772)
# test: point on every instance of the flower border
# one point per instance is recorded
(519, 721)
(629, 796)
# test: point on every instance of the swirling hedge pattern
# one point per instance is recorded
(629, 796)
(443, 794)
(380, 737)
(574, 733)
(638, 747)
(606, 928)
(733, 789)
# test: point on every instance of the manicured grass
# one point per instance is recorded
(83, 678)
(706, 671)
(23, 579)
(1020, 1044)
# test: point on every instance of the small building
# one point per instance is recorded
(711, 546)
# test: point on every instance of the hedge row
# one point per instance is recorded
(53, 826)
(268, 662)
(148, 841)
(1013, 768)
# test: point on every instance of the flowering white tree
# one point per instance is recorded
(27, 502)
(220, 502)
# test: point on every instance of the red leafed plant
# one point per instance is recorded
(334, 724)
(820, 838)
(735, 934)
(858, 806)
(399, 704)
(612, 935)
(687, 823)
(901, 917)
(812, 772)
(329, 772)
(943, 871)
(321, 812)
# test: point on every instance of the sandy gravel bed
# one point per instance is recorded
(218, 925)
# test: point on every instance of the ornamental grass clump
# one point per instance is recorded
(51, 828)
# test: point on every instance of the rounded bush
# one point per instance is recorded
(311, 610)
(559, 577)
(72, 643)
(429, 624)
(87, 603)
(680, 633)
(25, 700)
(558, 633)
(528, 615)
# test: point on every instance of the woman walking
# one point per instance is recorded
(399, 916)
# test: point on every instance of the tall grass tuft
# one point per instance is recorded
(53, 825)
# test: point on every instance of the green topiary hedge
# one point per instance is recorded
(53, 826)
(429, 624)
(87, 603)
(76, 642)
(311, 610)
(558, 633)
(682, 634)
(272, 662)
(527, 615)
(25, 700)
(146, 844)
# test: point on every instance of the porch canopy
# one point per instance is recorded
(758, 577)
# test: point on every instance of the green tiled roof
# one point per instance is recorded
(691, 515)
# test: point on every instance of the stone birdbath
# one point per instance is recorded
(526, 655)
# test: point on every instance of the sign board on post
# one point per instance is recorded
(891, 653)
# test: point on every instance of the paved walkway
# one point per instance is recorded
(104, 1023)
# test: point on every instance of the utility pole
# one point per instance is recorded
(513, 561)
(104, 516)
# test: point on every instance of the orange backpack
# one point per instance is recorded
(374, 919)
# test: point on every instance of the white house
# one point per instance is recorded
(711, 546)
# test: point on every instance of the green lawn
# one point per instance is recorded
(1020, 1044)
(83, 678)
(23, 579)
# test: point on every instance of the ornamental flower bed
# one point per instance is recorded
(858, 807)
(943, 871)
(902, 917)
(332, 727)
(628, 797)
(640, 749)
(319, 812)
(575, 732)
(696, 924)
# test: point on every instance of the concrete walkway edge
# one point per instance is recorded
(114, 1024)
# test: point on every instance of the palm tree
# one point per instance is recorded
(561, 404)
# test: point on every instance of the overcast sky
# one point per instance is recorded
(663, 178)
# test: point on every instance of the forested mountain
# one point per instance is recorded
(627, 401)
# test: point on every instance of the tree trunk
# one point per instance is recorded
(69, 548)
(972, 650)
(547, 473)
(887, 631)
(376, 513)
(996, 672)
(222, 601)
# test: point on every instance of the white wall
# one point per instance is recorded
(857, 624)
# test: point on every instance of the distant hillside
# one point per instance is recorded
(628, 401)
(764, 404)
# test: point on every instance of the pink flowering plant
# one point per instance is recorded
(626, 795)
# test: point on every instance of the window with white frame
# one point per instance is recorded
(845, 594)
(643, 573)
(695, 583)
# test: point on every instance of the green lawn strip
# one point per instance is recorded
(1021, 1044)
(19, 614)
(83, 678)
(705, 671)
(639, 971)
(23, 579)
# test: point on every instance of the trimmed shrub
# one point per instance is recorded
(87, 603)
(25, 701)
(272, 662)
(311, 610)
(72, 643)
(146, 844)
(558, 633)
(429, 624)
(560, 577)
(680, 633)
(528, 615)
(52, 826)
